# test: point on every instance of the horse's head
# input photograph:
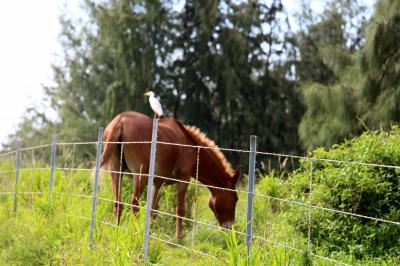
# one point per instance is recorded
(223, 202)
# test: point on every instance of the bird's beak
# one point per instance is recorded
(147, 94)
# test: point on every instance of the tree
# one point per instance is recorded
(218, 65)
(231, 80)
(352, 98)
(109, 62)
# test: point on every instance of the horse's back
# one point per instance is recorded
(170, 159)
(138, 127)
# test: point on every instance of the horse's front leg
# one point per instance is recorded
(180, 210)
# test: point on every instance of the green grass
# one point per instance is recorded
(57, 233)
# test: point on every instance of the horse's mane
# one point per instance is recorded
(202, 139)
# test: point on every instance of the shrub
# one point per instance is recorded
(366, 190)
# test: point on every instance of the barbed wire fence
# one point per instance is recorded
(25, 160)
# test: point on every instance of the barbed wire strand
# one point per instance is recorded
(6, 209)
(213, 147)
(183, 247)
(20, 192)
(7, 171)
(35, 169)
(76, 216)
(74, 169)
(127, 142)
(8, 153)
(77, 143)
(329, 160)
(100, 221)
(35, 147)
(74, 195)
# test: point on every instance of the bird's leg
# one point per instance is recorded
(155, 115)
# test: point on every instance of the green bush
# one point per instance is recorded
(273, 186)
(365, 190)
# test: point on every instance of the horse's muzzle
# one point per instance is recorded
(227, 225)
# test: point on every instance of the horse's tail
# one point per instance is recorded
(112, 133)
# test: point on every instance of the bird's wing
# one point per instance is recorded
(156, 106)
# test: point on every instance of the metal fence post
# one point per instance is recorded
(250, 195)
(96, 183)
(150, 187)
(52, 164)
(17, 166)
(310, 209)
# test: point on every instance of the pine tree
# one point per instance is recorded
(332, 99)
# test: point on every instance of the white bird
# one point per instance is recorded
(154, 104)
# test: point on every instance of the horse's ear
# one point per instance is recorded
(237, 174)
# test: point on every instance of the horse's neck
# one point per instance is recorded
(216, 178)
(211, 170)
(212, 182)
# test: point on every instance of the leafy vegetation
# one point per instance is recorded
(232, 68)
(43, 233)
(371, 191)
(58, 232)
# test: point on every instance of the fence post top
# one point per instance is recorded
(253, 140)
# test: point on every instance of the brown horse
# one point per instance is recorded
(172, 161)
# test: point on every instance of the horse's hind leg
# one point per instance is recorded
(115, 184)
(180, 210)
(139, 183)
(154, 200)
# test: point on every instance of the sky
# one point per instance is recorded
(29, 44)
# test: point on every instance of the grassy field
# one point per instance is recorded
(57, 233)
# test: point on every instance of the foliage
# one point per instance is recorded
(58, 232)
(236, 256)
(363, 91)
(43, 233)
(366, 190)
(327, 40)
(274, 187)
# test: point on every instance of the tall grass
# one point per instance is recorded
(57, 232)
